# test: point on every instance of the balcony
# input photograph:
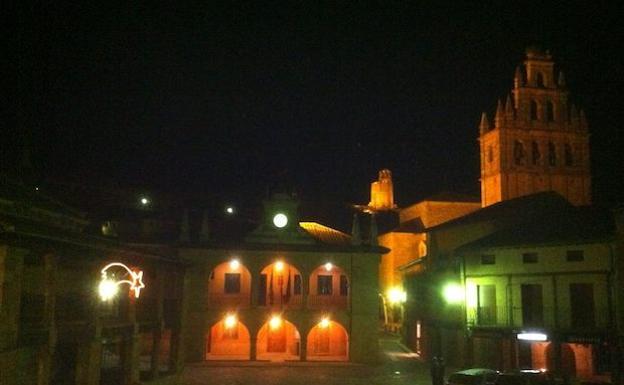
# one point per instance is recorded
(328, 301)
(222, 300)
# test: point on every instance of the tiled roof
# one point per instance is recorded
(326, 234)
(571, 225)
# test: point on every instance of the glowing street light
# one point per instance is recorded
(328, 266)
(108, 287)
(280, 220)
(234, 264)
(275, 322)
(144, 201)
(279, 265)
(230, 321)
(396, 295)
(229, 210)
(532, 336)
(324, 324)
(453, 293)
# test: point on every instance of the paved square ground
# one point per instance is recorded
(399, 366)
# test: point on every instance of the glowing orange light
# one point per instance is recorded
(275, 322)
(324, 323)
(328, 266)
(279, 265)
(230, 321)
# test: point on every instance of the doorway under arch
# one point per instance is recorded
(278, 340)
(328, 341)
(228, 339)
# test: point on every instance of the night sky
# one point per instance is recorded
(312, 98)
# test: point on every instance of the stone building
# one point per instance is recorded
(527, 282)
(539, 140)
(288, 290)
(54, 328)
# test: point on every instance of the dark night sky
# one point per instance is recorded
(312, 98)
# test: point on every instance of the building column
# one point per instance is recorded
(556, 355)
(155, 354)
(89, 356)
(253, 348)
(46, 352)
(305, 289)
(303, 348)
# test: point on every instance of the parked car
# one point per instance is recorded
(476, 376)
(526, 377)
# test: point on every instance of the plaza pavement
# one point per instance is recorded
(399, 366)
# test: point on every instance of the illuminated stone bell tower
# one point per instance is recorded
(382, 192)
(539, 140)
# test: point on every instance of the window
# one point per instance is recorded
(568, 159)
(488, 259)
(232, 283)
(533, 110)
(518, 152)
(540, 80)
(297, 288)
(529, 258)
(535, 153)
(324, 285)
(550, 112)
(486, 304)
(575, 256)
(344, 285)
(552, 154)
(582, 308)
(532, 305)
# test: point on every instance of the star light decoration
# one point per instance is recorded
(109, 286)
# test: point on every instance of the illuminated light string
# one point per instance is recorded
(108, 287)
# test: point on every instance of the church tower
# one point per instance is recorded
(538, 141)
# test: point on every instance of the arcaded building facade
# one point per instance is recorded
(539, 139)
(287, 291)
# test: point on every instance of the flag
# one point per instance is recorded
(287, 296)
(271, 288)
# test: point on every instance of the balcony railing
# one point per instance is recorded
(219, 300)
(327, 301)
(293, 302)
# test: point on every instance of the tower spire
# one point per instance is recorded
(356, 236)
(484, 126)
(509, 108)
(498, 118)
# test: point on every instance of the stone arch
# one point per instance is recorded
(519, 153)
(533, 110)
(539, 80)
(328, 286)
(552, 154)
(228, 339)
(422, 249)
(229, 285)
(550, 111)
(328, 341)
(278, 341)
